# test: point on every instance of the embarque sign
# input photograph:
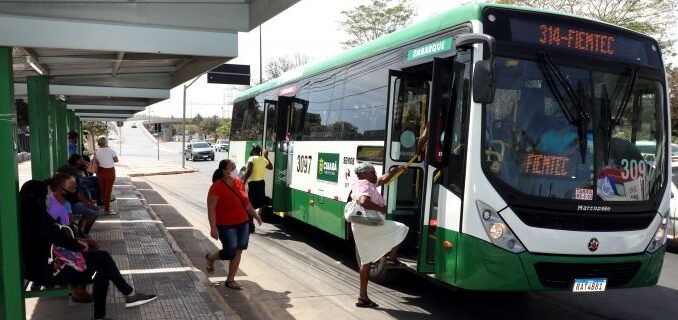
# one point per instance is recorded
(429, 49)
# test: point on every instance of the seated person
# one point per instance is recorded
(559, 138)
(39, 232)
(79, 201)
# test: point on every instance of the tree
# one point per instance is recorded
(96, 128)
(224, 129)
(651, 17)
(276, 67)
(209, 126)
(197, 119)
(368, 22)
(672, 78)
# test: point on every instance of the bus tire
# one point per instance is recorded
(379, 271)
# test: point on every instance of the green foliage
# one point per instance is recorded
(652, 17)
(96, 128)
(368, 22)
(209, 126)
(224, 129)
(197, 119)
(276, 67)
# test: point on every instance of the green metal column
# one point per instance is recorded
(38, 122)
(11, 292)
(62, 135)
(78, 126)
(70, 115)
(53, 120)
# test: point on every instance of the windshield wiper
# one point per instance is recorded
(625, 100)
(578, 117)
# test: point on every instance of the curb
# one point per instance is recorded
(164, 173)
(213, 292)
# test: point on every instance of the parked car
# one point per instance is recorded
(199, 151)
(222, 145)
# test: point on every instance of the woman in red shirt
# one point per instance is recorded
(228, 211)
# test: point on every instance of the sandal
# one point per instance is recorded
(233, 285)
(210, 266)
(366, 303)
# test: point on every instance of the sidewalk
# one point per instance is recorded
(148, 259)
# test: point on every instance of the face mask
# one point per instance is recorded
(234, 174)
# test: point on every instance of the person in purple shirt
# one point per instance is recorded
(60, 184)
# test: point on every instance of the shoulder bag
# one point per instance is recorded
(62, 258)
(251, 219)
(355, 213)
(93, 165)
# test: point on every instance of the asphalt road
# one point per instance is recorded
(303, 273)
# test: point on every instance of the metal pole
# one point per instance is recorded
(157, 139)
(183, 122)
(183, 133)
(11, 293)
(261, 69)
(120, 141)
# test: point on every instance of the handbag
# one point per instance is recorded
(250, 218)
(355, 213)
(93, 165)
(62, 258)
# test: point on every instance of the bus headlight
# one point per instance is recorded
(659, 238)
(497, 229)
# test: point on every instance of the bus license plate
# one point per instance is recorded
(589, 285)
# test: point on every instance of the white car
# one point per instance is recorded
(222, 145)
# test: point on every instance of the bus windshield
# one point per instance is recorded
(568, 132)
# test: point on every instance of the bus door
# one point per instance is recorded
(268, 143)
(290, 114)
(408, 108)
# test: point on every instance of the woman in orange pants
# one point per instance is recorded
(107, 158)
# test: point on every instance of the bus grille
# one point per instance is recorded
(562, 275)
(577, 221)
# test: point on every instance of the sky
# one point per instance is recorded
(317, 36)
(310, 27)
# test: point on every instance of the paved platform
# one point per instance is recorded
(150, 261)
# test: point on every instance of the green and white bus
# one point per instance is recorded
(532, 178)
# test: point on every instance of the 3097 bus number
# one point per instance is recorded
(304, 163)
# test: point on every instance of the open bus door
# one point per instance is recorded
(409, 93)
(289, 118)
(413, 198)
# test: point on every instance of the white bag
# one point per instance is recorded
(355, 213)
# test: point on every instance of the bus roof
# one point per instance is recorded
(411, 33)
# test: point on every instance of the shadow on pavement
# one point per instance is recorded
(255, 303)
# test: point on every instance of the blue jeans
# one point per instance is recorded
(233, 238)
(91, 183)
(81, 209)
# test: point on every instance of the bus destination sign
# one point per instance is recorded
(545, 165)
(559, 35)
(589, 42)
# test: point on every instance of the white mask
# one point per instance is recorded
(234, 174)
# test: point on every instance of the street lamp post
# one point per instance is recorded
(183, 123)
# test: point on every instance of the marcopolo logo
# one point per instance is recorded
(328, 167)
(429, 49)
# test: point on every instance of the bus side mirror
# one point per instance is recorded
(483, 71)
(484, 81)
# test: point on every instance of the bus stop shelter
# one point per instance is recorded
(74, 61)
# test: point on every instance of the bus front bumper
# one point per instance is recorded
(484, 266)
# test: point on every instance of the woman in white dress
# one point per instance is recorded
(373, 242)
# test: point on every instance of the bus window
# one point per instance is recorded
(409, 116)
